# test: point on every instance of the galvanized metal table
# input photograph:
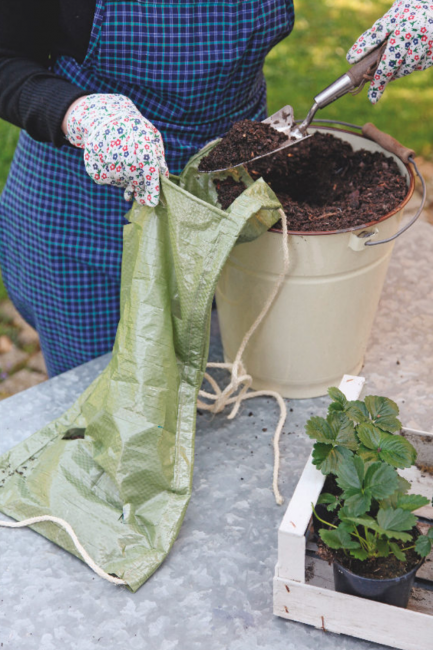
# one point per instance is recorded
(215, 590)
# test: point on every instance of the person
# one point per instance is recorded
(111, 94)
(407, 29)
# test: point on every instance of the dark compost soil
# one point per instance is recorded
(228, 190)
(245, 140)
(323, 184)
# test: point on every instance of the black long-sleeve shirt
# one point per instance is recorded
(32, 34)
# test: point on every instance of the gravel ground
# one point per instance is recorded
(21, 362)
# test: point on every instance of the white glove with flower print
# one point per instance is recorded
(409, 26)
(121, 147)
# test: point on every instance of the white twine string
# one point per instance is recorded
(221, 398)
(241, 381)
(64, 524)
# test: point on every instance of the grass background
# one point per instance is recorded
(311, 58)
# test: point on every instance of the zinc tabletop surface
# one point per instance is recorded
(214, 592)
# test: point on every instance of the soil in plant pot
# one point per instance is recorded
(378, 568)
(245, 140)
(324, 185)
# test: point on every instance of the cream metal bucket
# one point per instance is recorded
(318, 327)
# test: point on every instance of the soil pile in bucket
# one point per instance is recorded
(245, 140)
(324, 185)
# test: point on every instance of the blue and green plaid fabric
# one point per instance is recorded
(192, 68)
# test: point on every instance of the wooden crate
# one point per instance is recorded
(304, 585)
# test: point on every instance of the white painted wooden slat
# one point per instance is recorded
(332, 611)
(419, 432)
(352, 386)
(291, 534)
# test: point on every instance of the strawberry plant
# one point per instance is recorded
(372, 515)
(362, 428)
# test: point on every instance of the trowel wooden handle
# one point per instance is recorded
(361, 71)
(387, 142)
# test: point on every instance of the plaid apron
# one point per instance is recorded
(192, 68)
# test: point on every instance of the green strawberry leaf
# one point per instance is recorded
(338, 538)
(337, 429)
(393, 520)
(361, 483)
(383, 547)
(335, 438)
(423, 545)
(367, 455)
(368, 435)
(380, 480)
(399, 554)
(350, 478)
(379, 445)
(391, 501)
(377, 479)
(318, 429)
(389, 424)
(348, 527)
(359, 553)
(403, 485)
(343, 430)
(411, 501)
(357, 411)
(393, 534)
(339, 399)
(430, 533)
(332, 502)
(327, 458)
(383, 412)
(346, 515)
(380, 406)
(357, 502)
(325, 497)
(351, 474)
(397, 451)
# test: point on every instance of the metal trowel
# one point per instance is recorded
(284, 121)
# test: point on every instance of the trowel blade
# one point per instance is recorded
(290, 142)
(283, 121)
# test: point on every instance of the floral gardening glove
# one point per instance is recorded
(121, 147)
(409, 25)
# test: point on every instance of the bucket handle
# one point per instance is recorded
(390, 144)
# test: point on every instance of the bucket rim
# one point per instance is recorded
(399, 207)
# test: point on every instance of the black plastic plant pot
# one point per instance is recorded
(392, 591)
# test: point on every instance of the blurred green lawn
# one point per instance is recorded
(311, 58)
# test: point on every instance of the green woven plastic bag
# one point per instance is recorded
(117, 466)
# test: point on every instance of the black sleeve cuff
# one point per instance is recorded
(43, 102)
